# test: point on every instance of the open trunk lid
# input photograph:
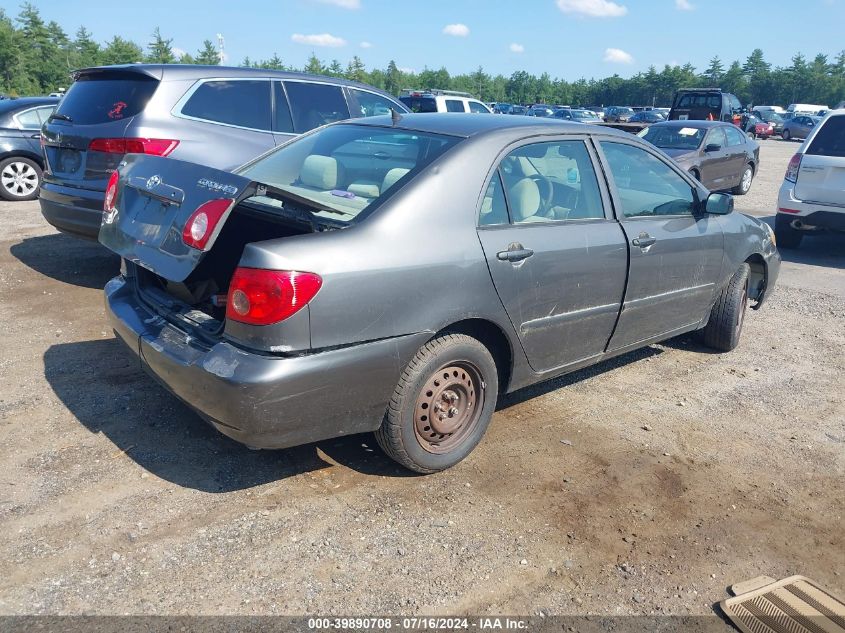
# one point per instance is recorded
(156, 198)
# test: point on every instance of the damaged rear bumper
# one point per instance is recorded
(261, 400)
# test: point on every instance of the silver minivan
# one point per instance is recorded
(221, 117)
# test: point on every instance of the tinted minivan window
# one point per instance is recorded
(241, 103)
(313, 104)
(830, 139)
(106, 97)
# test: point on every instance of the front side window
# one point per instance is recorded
(453, 105)
(735, 137)
(344, 169)
(645, 184)
(371, 104)
(313, 104)
(240, 103)
(553, 181)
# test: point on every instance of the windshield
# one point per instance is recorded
(673, 137)
(772, 117)
(341, 170)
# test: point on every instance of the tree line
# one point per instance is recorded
(36, 57)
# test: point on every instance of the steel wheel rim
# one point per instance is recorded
(746, 179)
(449, 407)
(19, 179)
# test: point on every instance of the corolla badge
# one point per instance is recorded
(216, 186)
(153, 181)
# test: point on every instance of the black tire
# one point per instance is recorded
(724, 327)
(786, 135)
(20, 179)
(751, 135)
(745, 181)
(400, 433)
(786, 236)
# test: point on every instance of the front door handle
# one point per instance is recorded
(36, 135)
(644, 240)
(515, 253)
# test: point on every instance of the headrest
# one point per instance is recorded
(392, 176)
(524, 197)
(320, 172)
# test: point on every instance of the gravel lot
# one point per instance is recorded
(644, 485)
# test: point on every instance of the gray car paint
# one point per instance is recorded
(72, 202)
(420, 265)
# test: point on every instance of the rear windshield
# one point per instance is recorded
(344, 169)
(101, 98)
(672, 137)
(830, 139)
(701, 100)
(420, 104)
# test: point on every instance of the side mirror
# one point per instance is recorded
(719, 204)
(713, 147)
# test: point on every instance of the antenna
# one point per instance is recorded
(220, 46)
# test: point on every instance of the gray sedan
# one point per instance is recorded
(398, 275)
(799, 126)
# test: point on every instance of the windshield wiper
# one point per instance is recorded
(60, 117)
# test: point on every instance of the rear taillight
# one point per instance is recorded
(261, 297)
(111, 192)
(153, 146)
(792, 169)
(205, 223)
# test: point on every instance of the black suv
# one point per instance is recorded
(705, 104)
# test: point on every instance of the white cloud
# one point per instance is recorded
(343, 4)
(322, 39)
(178, 53)
(617, 56)
(517, 48)
(593, 8)
(458, 30)
(684, 5)
(366, 45)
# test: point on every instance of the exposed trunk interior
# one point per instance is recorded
(200, 301)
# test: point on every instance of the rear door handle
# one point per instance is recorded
(36, 135)
(515, 254)
(644, 240)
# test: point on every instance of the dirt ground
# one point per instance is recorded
(647, 484)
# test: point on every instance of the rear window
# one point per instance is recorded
(453, 105)
(713, 101)
(830, 139)
(344, 169)
(102, 98)
(242, 103)
(420, 104)
(313, 104)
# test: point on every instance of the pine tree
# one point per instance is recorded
(714, 71)
(335, 69)
(392, 78)
(208, 54)
(121, 51)
(86, 52)
(314, 65)
(160, 49)
(355, 70)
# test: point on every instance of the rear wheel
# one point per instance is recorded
(724, 327)
(442, 405)
(20, 179)
(786, 135)
(786, 236)
(744, 182)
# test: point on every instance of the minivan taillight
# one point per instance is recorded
(792, 169)
(262, 297)
(111, 192)
(204, 223)
(153, 146)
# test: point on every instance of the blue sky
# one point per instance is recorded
(566, 38)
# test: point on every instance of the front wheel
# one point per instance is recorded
(442, 405)
(20, 179)
(728, 314)
(786, 135)
(744, 182)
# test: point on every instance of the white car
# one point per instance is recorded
(442, 101)
(812, 196)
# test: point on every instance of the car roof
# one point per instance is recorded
(467, 125)
(693, 124)
(19, 103)
(196, 71)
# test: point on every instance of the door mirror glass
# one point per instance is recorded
(719, 204)
(712, 147)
